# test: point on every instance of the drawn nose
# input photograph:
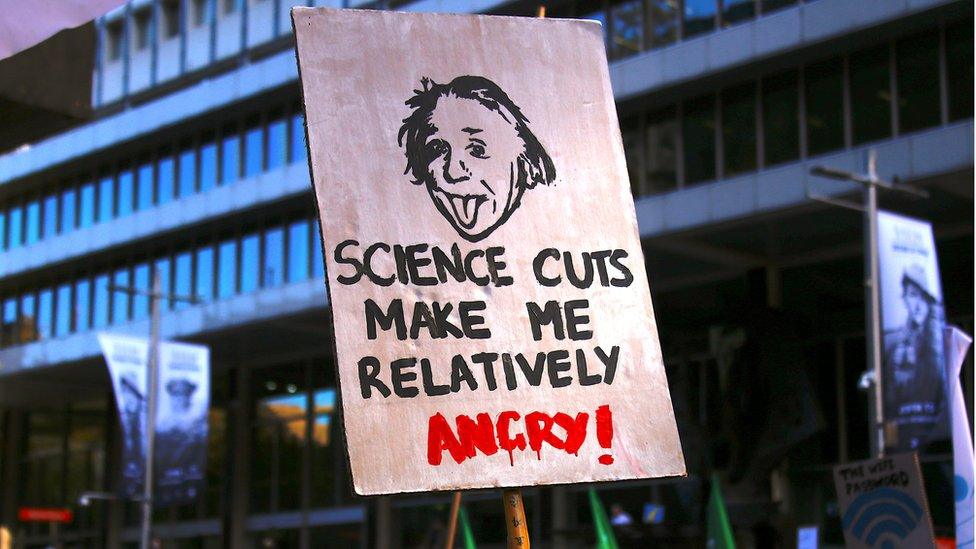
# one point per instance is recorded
(455, 171)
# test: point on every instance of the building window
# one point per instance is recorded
(141, 280)
(917, 72)
(663, 21)
(208, 163)
(661, 160)
(298, 150)
(780, 114)
(162, 268)
(735, 11)
(230, 6)
(144, 185)
(86, 213)
(824, 106)
(62, 316)
(27, 328)
(274, 257)
(626, 29)
(171, 17)
(15, 229)
(633, 141)
(50, 216)
(106, 198)
(199, 11)
(187, 182)
(182, 278)
(166, 174)
(277, 142)
(120, 300)
(230, 150)
(773, 5)
(870, 86)
(227, 269)
(102, 300)
(82, 303)
(68, 208)
(699, 17)
(142, 19)
(279, 436)
(253, 149)
(959, 65)
(126, 192)
(250, 262)
(32, 232)
(298, 250)
(739, 128)
(698, 131)
(9, 321)
(3, 229)
(114, 35)
(204, 284)
(45, 313)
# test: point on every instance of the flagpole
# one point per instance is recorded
(518, 530)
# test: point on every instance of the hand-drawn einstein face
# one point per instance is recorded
(471, 147)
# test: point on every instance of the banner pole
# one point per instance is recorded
(147, 493)
(518, 530)
(453, 519)
(872, 300)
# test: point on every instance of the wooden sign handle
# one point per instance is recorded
(453, 520)
(518, 530)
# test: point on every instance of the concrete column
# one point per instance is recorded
(240, 466)
(9, 486)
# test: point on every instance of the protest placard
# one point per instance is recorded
(492, 315)
(882, 503)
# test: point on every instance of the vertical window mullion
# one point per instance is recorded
(802, 110)
(760, 126)
(680, 146)
(718, 138)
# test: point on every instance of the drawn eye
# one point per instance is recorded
(437, 148)
(477, 151)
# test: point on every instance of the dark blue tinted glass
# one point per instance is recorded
(33, 229)
(250, 262)
(50, 216)
(82, 305)
(318, 265)
(62, 322)
(28, 319)
(126, 191)
(205, 279)
(45, 313)
(699, 16)
(297, 138)
(101, 301)
(183, 278)
(144, 200)
(15, 228)
(298, 250)
(230, 165)
(166, 179)
(86, 215)
(69, 202)
(253, 151)
(141, 279)
(106, 198)
(120, 300)
(162, 269)
(188, 172)
(277, 143)
(274, 259)
(208, 166)
(227, 269)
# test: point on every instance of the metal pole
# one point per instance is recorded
(873, 317)
(147, 493)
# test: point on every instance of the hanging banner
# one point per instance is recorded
(913, 318)
(882, 503)
(492, 315)
(957, 345)
(181, 422)
(127, 358)
(182, 403)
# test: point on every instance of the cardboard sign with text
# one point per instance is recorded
(882, 503)
(492, 315)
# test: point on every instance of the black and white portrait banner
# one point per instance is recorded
(182, 403)
(913, 319)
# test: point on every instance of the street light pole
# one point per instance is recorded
(872, 377)
(152, 366)
(153, 381)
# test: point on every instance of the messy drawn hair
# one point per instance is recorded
(534, 165)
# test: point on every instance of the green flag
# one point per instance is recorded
(604, 532)
(466, 534)
(719, 529)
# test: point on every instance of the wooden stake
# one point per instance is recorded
(452, 521)
(541, 12)
(518, 530)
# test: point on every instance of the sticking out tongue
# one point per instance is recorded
(466, 208)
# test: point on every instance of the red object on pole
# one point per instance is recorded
(39, 514)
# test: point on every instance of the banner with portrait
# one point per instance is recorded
(913, 320)
(182, 403)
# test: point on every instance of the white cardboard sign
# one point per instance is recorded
(492, 314)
